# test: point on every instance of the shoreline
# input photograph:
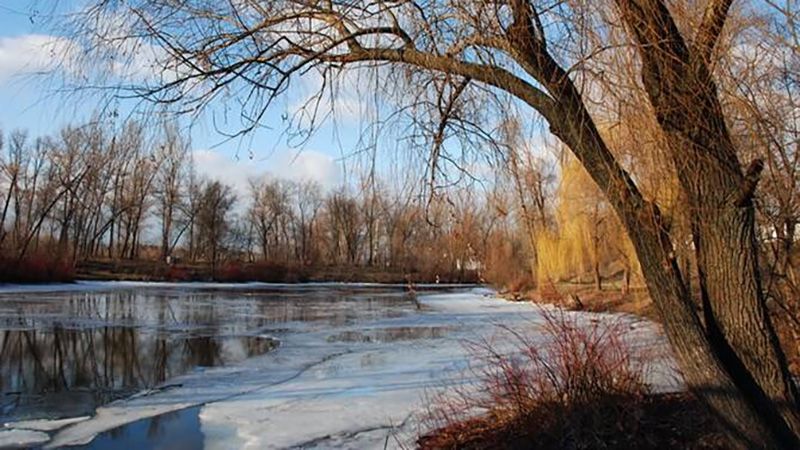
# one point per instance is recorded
(80, 285)
(637, 303)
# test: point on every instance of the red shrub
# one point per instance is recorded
(236, 272)
(578, 388)
(36, 268)
(231, 272)
(268, 272)
(175, 273)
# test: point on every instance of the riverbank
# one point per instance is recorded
(391, 372)
(612, 299)
(38, 269)
(144, 270)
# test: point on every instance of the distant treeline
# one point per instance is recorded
(127, 201)
(92, 194)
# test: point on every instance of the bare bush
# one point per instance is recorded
(581, 387)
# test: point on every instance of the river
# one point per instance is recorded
(160, 365)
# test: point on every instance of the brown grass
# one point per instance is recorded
(580, 389)
(267, 271)
(36, 268)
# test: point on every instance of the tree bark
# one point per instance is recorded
(753, 420)
(684, 98)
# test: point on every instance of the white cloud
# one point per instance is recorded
(306, 165)
(30, 53)
(131, 60)
(219, 167)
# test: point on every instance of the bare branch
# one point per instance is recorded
(710, 28)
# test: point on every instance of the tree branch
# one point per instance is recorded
(713, 21)
(491, 75)
(751, 179)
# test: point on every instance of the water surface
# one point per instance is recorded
(62, 354)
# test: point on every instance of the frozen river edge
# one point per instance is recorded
(314, 392)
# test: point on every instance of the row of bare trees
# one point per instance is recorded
(86, 192)
(127, 191)
(96, 192)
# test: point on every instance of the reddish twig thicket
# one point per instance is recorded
(574, 385)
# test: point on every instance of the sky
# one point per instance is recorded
(28, 102)
(337, 154)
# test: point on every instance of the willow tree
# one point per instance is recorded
(443, 53)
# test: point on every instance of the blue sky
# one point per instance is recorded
(332, 156)
(28, 102)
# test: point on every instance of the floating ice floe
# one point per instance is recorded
(15, 438)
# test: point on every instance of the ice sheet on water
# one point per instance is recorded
(371, 390)
(15, 438)
(210, 385)
(45, 424)
(318, 392)
(373, 396)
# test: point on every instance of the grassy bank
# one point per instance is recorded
(583, 390)
(234, 272)
(36, 268)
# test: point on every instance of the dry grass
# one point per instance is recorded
(36, 268)
(581, 389)
(267, 271)
(611, 299)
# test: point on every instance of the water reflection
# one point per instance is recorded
(62, 371)
(63, 354)
(174, 431)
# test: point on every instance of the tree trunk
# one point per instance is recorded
(166, 229)
(684, 97)
(598, 278)
(703, 365)
(749, 419)
(6, 203)
(527, 216)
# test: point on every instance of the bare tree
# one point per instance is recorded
(345, 225)
(172, 155)
(270, 212)
(529, 179)
(307, 196)
(10, 166)
(521, 49)
(213, 221)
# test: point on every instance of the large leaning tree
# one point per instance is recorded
(544, 54)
